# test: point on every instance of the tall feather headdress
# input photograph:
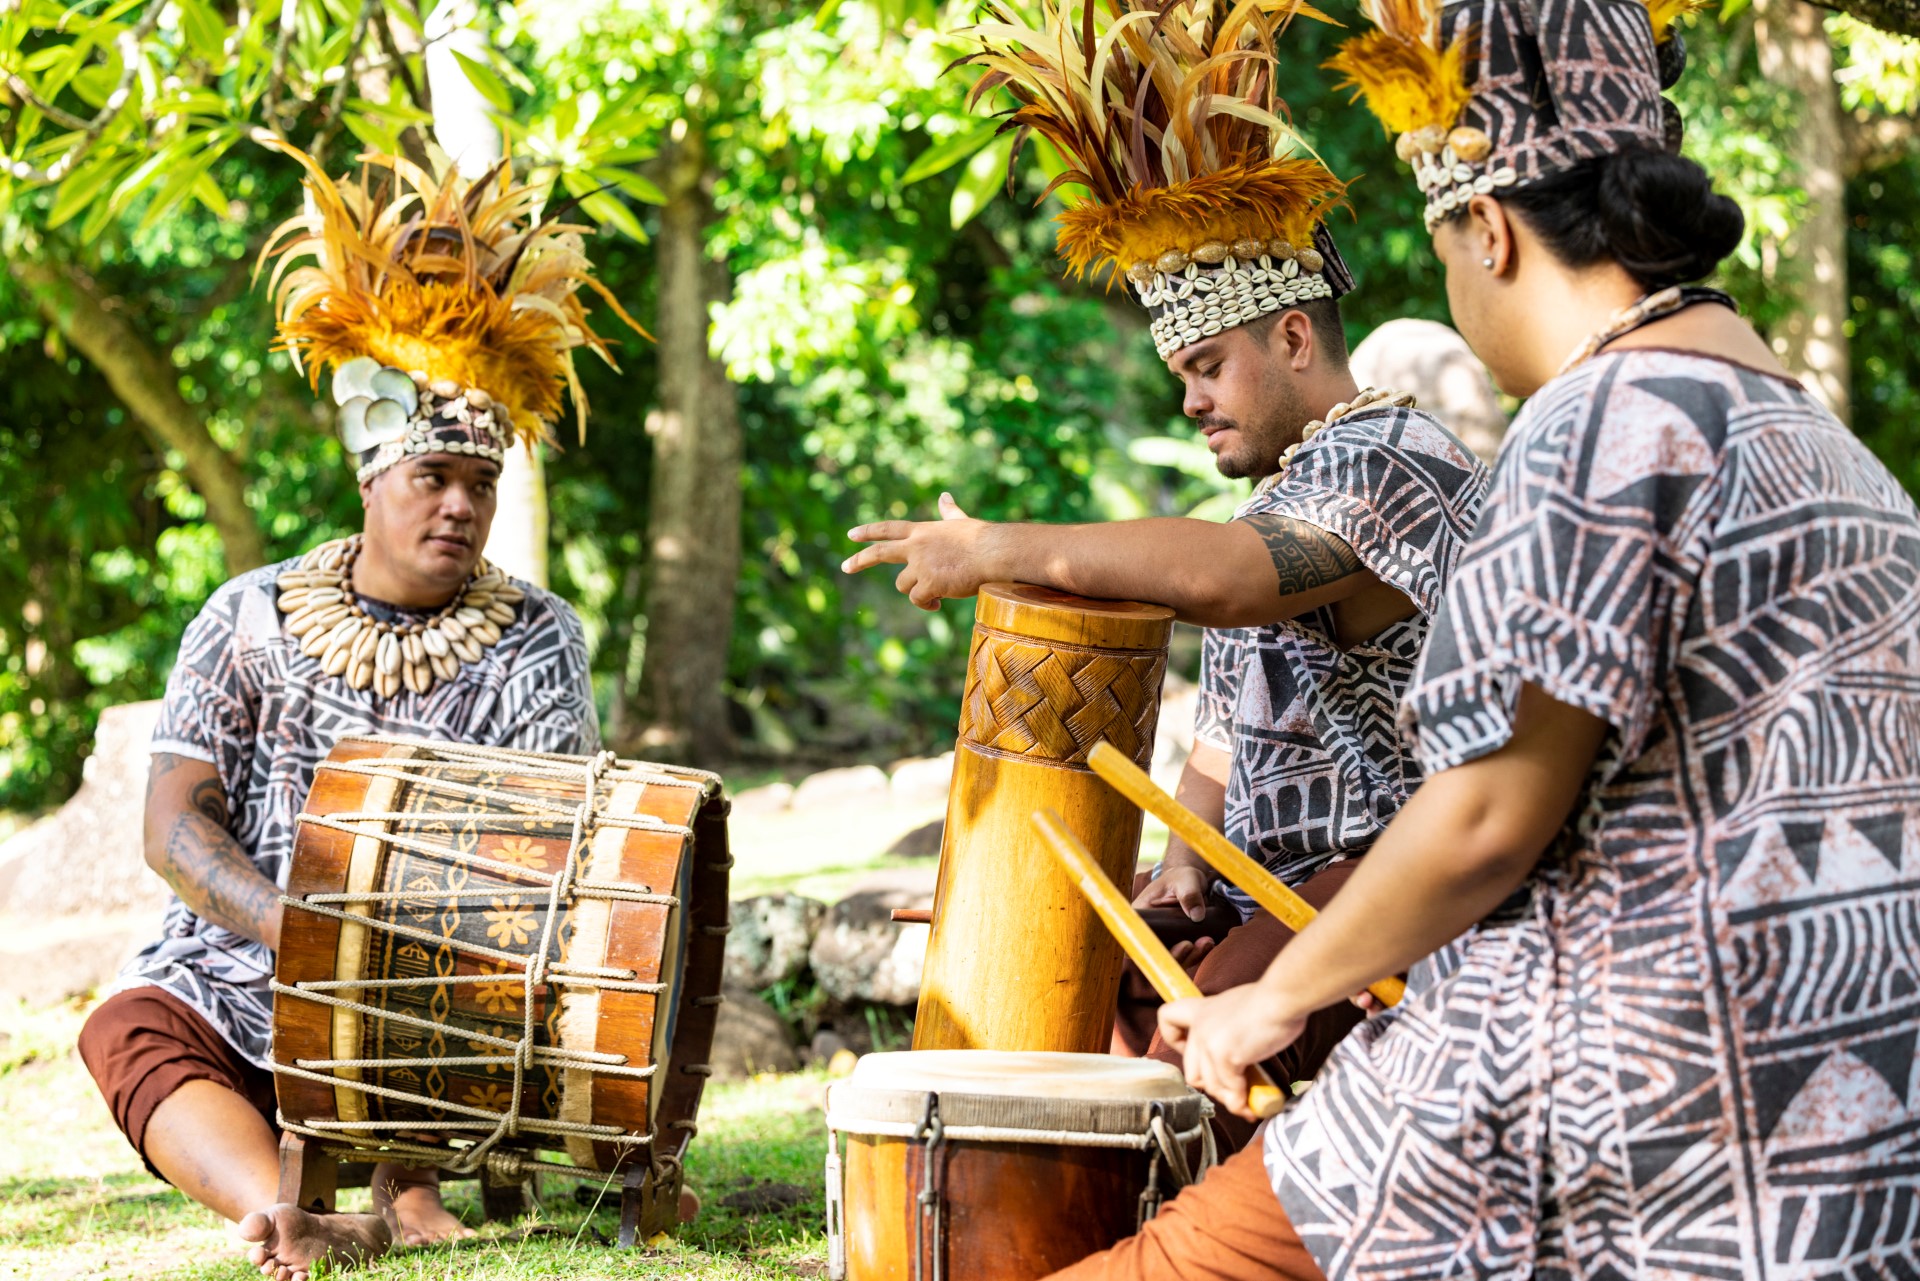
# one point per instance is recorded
(447, 310)
(1167, 116)
(1490, 94)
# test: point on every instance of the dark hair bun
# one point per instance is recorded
(1654, 213)
(1662, 219)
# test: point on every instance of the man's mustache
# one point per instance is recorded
(1217, 422)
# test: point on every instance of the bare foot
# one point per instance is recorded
(284, 1240)
(409, 1200)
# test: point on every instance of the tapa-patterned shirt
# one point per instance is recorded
(244, 699)
(1318, 767)
(1686, 1047)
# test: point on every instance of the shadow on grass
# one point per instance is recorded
(755, 1136)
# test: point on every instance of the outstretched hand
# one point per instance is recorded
(1220, 1037)
(943, 559)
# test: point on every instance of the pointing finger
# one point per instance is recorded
(880, 530)
(877, 554)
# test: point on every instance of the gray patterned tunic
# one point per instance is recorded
(1318, 768)
(1686, 1047)
(243, 698)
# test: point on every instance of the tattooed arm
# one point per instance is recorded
(188, 842)
(1244, 573)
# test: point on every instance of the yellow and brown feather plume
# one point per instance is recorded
(459, 280)
(1664, 13)
(1408, 79)
(1165, 112)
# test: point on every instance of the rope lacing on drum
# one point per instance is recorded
(536, 970)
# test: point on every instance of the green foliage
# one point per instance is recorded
(896, 325)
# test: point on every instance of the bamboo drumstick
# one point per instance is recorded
(1262, 886)
(1264, 1098)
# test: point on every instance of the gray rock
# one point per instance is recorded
(921, 842)
(1173, 737)
(913, 781)
(1436, 365)
(770, 937)
(86, 858)
(770, 799)
(749, 1038)
(860, 954)
(825, 1044)
(47, 960)
(839, 786)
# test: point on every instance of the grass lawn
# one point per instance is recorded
(75, 1202)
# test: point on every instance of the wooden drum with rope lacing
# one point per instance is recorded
(503, 962)
(983, 1165)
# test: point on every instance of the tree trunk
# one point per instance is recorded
(146, 384)
(464, 127)
(1902, 17)
(693, 540)
(1792, 43)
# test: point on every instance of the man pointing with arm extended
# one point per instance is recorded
(1315, 597)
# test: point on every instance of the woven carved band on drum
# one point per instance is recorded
(1199, 302)
(1050, 702)
(516, 1055)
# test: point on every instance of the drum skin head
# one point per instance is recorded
(1020, 1074)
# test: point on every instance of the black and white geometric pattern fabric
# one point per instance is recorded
(1686, 1048)
(244, 699)
(1556, 82)
(1318, 767)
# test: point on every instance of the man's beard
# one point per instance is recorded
(1257, 452)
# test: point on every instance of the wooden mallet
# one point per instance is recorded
(1226, 858)
(1264, 1098)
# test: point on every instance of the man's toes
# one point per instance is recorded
(258, 1228)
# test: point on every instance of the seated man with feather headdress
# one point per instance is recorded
(401, 629)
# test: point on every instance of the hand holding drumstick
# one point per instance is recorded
(1226, 858)
(1169, 979)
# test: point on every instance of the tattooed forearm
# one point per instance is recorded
(213, 876)
(210, 799)
(1304, 556)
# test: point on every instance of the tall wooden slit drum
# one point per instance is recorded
(990, 1166)
(426, 879)
(1017, 959)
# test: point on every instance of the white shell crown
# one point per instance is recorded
(387, 414)
(1219, 285)
(1452, 166)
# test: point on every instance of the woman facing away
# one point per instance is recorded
(1661, 888)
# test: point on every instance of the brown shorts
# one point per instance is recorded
(1227, 1227)
(1240, 958)
(143, 1044)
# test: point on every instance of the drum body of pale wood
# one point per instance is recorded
(1014, 1211)
(467, 851)
(1017, 959)
(1005, 1208)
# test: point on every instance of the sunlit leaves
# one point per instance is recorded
(984, 175)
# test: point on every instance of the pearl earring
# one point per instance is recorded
(1487, 263)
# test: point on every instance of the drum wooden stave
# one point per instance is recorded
(997, 1166)
(425, 878)
(1017, 960)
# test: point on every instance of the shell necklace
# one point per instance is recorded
(1366, 398)
(370, 652)
(1644, 311)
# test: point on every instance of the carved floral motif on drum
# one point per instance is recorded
(508, 913)
(1051, 702)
